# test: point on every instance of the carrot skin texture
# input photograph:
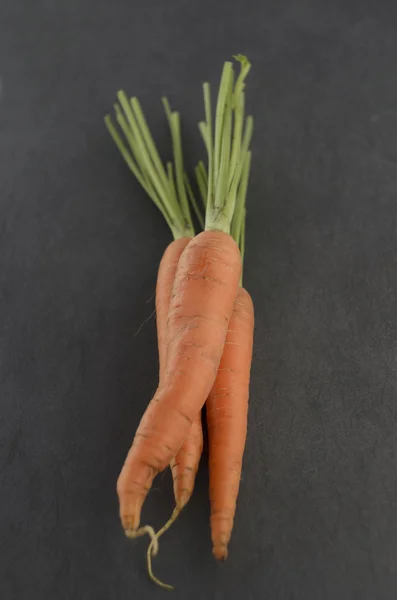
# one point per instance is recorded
(165, 281)
(227, 410)
(185, 464)
(204, 291)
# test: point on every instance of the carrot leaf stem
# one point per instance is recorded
(240, 213)
(223, 188)
(202, 185)
(193, 202)
(165, 185)
(175, 129)
(227, 154)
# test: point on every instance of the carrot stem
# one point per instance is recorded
(135, 170)
(202, 185)
(148, 140)
(224, 90)
(231, 199)
(239, 216)
(143, 153)
(228, 211)
(165, 185)
(224, 160)
(193, 202)
(208, 119)
(175, 129)
(227, 154)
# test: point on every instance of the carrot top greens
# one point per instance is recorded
(223, 189)
(168, 186)
(222, 186)
(227, 144)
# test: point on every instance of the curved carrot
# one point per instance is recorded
(202, 301)
(185, 464)
(227, 408)
(227, 405)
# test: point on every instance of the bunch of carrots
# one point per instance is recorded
(205, 317)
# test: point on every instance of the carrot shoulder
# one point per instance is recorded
(202, 301)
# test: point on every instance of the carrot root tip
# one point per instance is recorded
(132, 534)
(150, 553)
(220, 552)
(154, 544)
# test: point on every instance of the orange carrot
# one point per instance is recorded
(185, 464)
(202, 301)
(205, 297)
(169, 188)
(227, 404)
(227, 408)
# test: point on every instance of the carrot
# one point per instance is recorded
(169, 189)
(227, 404)
(185, 464)
(227, 409)
(202, 302)
(205, 286)
(201, 305)
(169, 192)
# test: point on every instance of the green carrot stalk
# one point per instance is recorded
(167, 185)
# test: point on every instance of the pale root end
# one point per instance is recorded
(151, 550)
(220, 551)
(132, 534)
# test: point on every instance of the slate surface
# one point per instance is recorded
(79, 247)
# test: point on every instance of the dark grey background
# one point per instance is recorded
(80, 244)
